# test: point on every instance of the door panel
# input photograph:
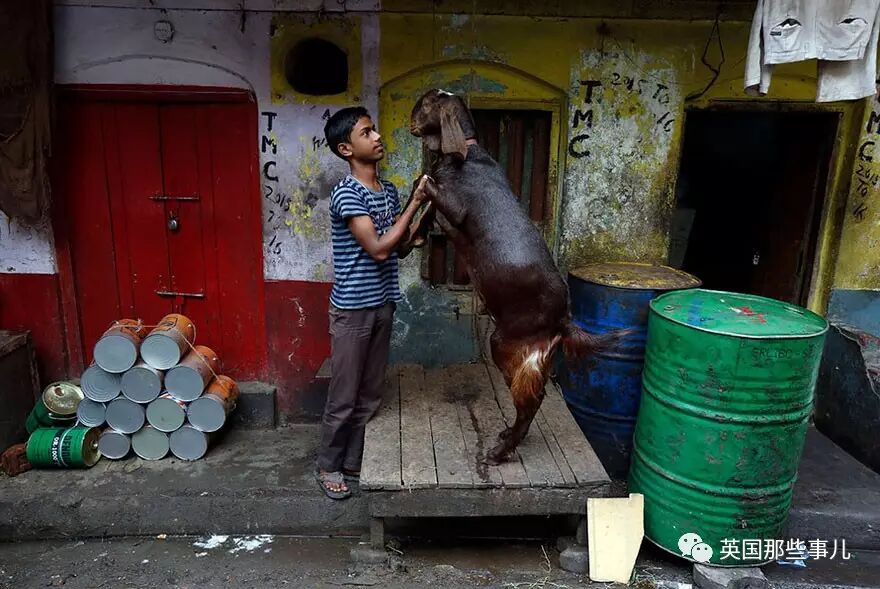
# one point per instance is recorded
(128, 167)
(88, 225)
(140, 243)
(186, 246)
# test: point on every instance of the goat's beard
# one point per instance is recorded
(431, 142)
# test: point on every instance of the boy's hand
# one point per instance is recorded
(420, 194)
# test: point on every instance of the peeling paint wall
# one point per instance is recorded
(624, 116)
(298, 169)
(855, 298)
(26, 249)
(623, 110)
(859, 258)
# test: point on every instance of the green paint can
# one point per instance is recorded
(727, 391)
(56, 407)
(56, 447)
(40, 416)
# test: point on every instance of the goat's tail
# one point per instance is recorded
(578, 344)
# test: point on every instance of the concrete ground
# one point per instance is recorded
(278, 562)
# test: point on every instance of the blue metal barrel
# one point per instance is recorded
(604, 395)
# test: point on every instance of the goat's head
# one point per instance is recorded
(444, 123)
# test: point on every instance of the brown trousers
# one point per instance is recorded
(360, 341)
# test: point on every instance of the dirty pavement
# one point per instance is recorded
(283, 561)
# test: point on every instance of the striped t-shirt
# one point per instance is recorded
(361, 281)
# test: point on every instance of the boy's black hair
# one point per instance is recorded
(339, 126)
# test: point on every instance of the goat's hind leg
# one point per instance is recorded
(527, 390)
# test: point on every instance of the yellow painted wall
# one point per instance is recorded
(631, 78)
(289, 29)
(858, 262)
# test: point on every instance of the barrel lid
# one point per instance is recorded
(62, 398)
(736, 314)
(636, 276)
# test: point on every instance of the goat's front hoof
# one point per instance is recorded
(497, 455)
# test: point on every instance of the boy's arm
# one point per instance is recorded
(378, 246)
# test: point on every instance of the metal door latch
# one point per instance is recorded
(173, 223)
(172, 293)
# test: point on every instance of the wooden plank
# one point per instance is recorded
(484, 328)
(474, 422)
(484, 502)
(555, 450)
(450, 450)
(537, 202)
(516, 140)
(381, 464)
(417, 447)
(528, 148)
(578, 453)
(486, 414)
(535, 453)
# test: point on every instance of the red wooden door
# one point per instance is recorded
(158, 212)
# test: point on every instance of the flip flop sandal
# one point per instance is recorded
(333, 478)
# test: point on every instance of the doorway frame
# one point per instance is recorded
(74, 352)
(837, 185)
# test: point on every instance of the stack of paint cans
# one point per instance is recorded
(157, 392)
(55, 441)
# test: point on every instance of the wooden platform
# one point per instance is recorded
(425, 447)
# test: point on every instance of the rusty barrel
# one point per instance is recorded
(99, 385)
(168, 342)
(150, 443)
(187, 380)
(56, 406)
(603, 395)
(142, 383)
(74, 447)
(188, 443)
(113, 444)
(167, 413)
(727, 395)
(208, 413)
(117, 349)
(124, 415)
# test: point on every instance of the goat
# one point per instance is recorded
(507, 259)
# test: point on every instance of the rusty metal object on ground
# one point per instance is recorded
(14, 460)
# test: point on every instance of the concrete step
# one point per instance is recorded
(256, 406)
(252, 481)
(835, 496)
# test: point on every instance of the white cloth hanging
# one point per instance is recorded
(841, 34)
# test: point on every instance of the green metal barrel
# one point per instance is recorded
(727, 393)
(40, 416)
(75, 447)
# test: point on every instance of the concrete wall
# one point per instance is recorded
(855, 298)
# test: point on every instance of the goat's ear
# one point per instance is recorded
(452, 140)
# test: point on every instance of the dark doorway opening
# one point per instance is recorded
(750, 196)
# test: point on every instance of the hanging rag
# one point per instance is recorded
(840, 34)
(25, 80)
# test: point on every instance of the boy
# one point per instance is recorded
(367, 234)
